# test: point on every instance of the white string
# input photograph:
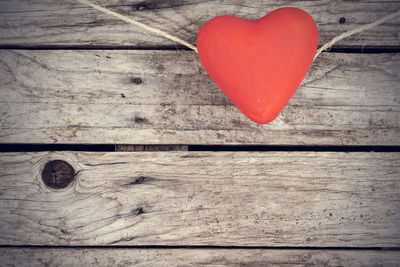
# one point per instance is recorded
(178, 40)
(354, 31)
(144, 26)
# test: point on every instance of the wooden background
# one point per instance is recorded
(126, 109)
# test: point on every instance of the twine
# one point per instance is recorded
(178, 40)
(137, 23)
(354, 31)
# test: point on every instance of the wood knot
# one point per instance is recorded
(136, 80)
(342, 20)
(57, 174)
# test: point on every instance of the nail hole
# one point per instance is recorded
(137, 80)
(342, 20)
(141, 119)
(140, 210)
(57, 174)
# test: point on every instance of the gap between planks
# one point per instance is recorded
(141, 147)
(334, 49)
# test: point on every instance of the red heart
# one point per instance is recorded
(259, 64)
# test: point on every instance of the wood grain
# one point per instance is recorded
(68, 23)
(194, 257)
(312, 199)
(165, 97)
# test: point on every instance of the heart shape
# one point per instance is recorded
(259, 64)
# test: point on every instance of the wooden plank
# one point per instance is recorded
(313, 199)
(68, 23)
(165, 97)
(194, 257)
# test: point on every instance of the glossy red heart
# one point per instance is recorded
(259, 64)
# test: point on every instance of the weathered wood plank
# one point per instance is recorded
(67, 23)
(309, 199)
(165, 97)
(194, 257)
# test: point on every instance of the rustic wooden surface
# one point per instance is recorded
(68, 23)
(313, 199)
(165, 97)
(197, 257)
(215, 208)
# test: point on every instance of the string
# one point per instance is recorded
(134, 22)
(178, 40)
(354, 31)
